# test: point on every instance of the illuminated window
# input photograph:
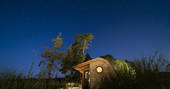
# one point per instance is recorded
(99, 69)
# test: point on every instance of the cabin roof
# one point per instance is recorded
(85, 65)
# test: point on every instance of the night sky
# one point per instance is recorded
(122, 28)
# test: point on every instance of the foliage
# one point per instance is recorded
(144, 73)
(10, 79)
(30, 72)
(109, 57)
(123, 69)
(155, 63)
(76, 53)
(52, 56)
(63, 61)
(83, 41)
(149, 72)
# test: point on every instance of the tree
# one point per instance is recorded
(88, 57)
(121, 67)
(76, 53)
(52, 56)
(63, 61)
(108, 57)
(83, 41)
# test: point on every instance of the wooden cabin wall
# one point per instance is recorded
(99, 80)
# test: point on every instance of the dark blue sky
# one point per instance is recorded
(122, 28)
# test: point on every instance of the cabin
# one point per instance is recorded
(95, 72)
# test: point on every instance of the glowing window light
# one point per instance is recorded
(99, 69)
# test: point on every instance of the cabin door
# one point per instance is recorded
(87, 79)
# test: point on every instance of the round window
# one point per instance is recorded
(99, 69)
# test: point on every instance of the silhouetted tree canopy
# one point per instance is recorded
(63, 61)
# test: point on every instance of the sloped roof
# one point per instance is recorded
(85, 65)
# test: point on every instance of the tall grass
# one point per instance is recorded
(10, 79)
(151, 72)
(149, 75)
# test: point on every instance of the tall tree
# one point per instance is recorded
(52, 56)
(76, 53)
(64, 61)
(83, 41)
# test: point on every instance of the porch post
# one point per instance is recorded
(82, 81)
